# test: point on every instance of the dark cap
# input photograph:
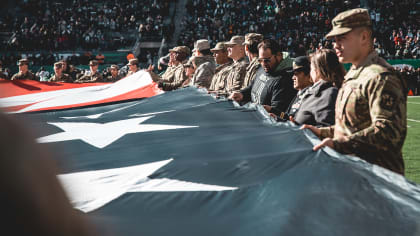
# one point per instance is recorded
(348, 20)
(23, 62)
(189, 63)
(251, 38)
(93, 63)
(220, 46)
(301, 63)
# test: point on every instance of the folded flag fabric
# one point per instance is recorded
(185, 163)
(28, 95)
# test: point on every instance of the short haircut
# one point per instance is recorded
(206, 52)
(271, 44)
(253, 47)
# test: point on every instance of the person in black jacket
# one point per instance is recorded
(273, 85)
(318, 105)
(301, 82)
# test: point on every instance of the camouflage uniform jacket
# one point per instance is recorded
(168, 76)
(65, 78)
(97, 77)
(371, 114)
(179, 78)
(236, 76)
(204, 73)
(218, 81)
(27, 75)
(251, 70)
(113, 79)
(72, 71)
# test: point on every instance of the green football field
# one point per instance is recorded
(411, 151)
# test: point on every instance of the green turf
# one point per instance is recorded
(411, 150)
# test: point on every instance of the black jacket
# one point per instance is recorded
(318, 105)
(275, 89)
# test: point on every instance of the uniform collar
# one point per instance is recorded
(354, 71)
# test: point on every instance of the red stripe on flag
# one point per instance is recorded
(9, 88)
(144, 92)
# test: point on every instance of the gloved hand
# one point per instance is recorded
(160, 85)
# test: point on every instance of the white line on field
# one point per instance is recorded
(414, 120)
(418, 103)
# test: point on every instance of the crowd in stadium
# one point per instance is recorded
(300, 26)
(81, 24)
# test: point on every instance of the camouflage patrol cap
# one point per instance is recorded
(23, 61)
(114, 67)
(133, 61)
(348, 20)
(201, 45)
(189, 62)
(253, 38)
(58, 64)
(93, 63)
(182, 49)
(220, 46)
(237, 39)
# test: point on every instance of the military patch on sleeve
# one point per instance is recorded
(388, 100)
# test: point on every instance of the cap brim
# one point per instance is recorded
(338, 31)
(230, 44)
(215, 49)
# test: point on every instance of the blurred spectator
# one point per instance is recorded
(24, 72)
(100, 58)
(133, 66)
(80, 24)
(114, 76)
(299, 26)
(92, 75)
(59, 75)
(43, 74)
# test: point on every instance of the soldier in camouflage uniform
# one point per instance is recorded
(236, 76)
(205, 64)
(24, 72)
(71, 70)
(174, 76)
(220, 55)
(251, 50)
(113, 69)
(133, 66)
(59, 75)
(93, 75)
(370, 113)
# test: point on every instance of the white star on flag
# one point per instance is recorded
(91, 190)
(102, 135)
